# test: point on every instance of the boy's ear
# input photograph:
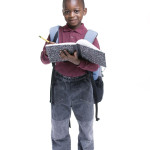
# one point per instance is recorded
(85, 11)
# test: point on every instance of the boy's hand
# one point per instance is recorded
(67, 57)
(50, 42)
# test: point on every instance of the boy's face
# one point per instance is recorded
(73, 12)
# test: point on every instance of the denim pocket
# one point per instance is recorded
(83, 91)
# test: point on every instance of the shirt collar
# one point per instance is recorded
(79, 30)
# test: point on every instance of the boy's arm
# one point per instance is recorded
(44, 57)
(82, 63)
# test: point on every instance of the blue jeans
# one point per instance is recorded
(75, 93)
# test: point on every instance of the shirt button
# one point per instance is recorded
(71, 37)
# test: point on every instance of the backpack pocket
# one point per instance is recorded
(98, 89)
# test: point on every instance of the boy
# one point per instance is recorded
(72, 86)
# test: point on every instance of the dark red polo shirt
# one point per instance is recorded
(67, 68)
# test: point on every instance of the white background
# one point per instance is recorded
(124, 35)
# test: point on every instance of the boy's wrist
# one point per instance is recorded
(77, 62)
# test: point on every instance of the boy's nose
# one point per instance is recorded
(72, 14)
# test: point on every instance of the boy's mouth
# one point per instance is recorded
(72, 21)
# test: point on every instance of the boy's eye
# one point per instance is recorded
(76, 11)
(66, 12)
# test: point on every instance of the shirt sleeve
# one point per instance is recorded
(44, 57)
(86, 65)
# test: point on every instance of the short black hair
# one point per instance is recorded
(82, 1)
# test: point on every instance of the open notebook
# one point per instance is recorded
(85, 50)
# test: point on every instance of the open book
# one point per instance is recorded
(84, 49)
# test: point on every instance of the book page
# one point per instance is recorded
(68, 43)
(87, 43)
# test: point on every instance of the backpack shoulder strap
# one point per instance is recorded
(90, 36)
(53, 32)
